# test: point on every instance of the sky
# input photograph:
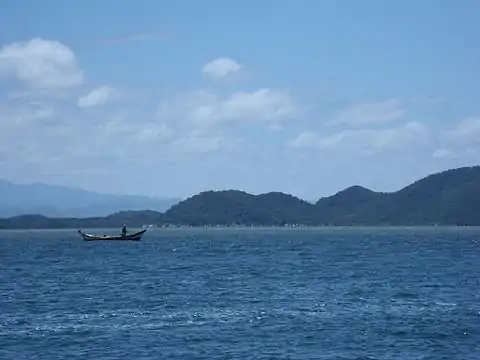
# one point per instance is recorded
(173, 98)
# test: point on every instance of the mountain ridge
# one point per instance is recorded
(444, 198)
(64, 201)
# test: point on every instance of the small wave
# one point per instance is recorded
(445, 304)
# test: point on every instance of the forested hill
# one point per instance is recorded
(233, 207)
(446, 198)
(132, 218)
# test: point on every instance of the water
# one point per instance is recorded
(242, 294)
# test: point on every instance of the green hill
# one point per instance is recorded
(233, 207)
(446, 198)
(354, 205)
(449, 197)
(132, 218)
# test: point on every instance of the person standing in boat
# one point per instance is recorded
(124, 230)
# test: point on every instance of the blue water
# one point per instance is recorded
(242, 294)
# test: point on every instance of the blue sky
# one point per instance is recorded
(169, 99)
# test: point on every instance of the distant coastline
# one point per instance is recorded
(114, 230)
(448, 198)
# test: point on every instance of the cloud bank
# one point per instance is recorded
(200, 128)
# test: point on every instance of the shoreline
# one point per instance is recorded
(199, 228)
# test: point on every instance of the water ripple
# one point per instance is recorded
(242, 294)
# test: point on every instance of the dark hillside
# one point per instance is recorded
(450, 197)
(352, 206)
(233, 207)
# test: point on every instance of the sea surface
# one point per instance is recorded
(326, 293)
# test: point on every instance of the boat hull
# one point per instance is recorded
(130, 237)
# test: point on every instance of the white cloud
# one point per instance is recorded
(197, 115)
(134, 134)
(41, 64)
(204, 142)
(459, 141)
(305, 139)
(37, 138)
(444, 154)
(154, 132)
(365, 140)
(206, 109)
(221, 67)
(27, 114)
(466, 132)
(186, 124)
(189, 130)
(368, 113)
(26, 131)
(96, 97)
(263, 104)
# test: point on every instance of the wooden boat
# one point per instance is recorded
(132, 237)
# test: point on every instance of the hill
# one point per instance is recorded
(134, 219)
(233, 207)
(446, 198)
(62, 201)
(449, 197)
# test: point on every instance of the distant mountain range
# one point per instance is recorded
(62, 201)
(447, 198)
